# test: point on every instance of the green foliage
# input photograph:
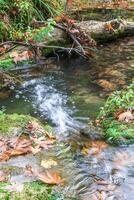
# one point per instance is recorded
(123, 100)
(6, 64)
(44, 32)
(34, 190)
(7, 122)
(3, 30)
(10, 121)
(118, 132)
(17, 15)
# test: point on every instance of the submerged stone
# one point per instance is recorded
(92, 132)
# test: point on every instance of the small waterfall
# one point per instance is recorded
(51, 103)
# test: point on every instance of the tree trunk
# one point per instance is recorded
(99, 31)
(104, 31)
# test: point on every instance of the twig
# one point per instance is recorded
(4, 43)
(42, 45)
(36, 45)
(71, 36)
(11, 48)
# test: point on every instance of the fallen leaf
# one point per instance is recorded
(14, 147)
(101, 182)
(35, 150)
(13, 54)
(2, 143)
(34, 127)
(126, 116)
(42, 143)
(74, 31)
(48, 163)
(2, 50)
(4, 156)
(106, 85)
(18, 57)
(46, 144)
(51, 178)
(20, 151)
(3, 176)
(94, 147)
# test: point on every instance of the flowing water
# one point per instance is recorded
(67, 95)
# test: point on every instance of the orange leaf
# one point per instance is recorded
(3, 176)
(52, 178)
(126, 116)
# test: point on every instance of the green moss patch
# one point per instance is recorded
(34, 190)
(6, 64)
(10, 122)
(118, 132)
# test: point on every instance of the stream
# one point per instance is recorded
(67, 94)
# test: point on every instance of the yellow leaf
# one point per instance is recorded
(48, 163)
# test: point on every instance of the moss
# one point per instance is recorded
(118, 132)
(48, 128)
(34, 190)
(9, 122)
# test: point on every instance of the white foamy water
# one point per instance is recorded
(51, 104)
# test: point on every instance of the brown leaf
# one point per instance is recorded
(18, 57)
(35, 150)
(14, 147)
(51, 178)
(4, 156)
(20, 151)
(108, 86)
(3, 176)
(43, 143)
(126, 116)
(34, 127)
(94, 147)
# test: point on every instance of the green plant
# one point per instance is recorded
(20, 13)
(44, 32)
(119, 100)
(118, 132)
(6, 64)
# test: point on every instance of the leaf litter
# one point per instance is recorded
(33, 140)
(36, 140)
(48, 176)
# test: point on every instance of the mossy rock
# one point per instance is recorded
(15, 123)
(118, 132)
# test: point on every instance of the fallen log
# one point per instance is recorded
(97, 30)
(104, 31)
(81, 36)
